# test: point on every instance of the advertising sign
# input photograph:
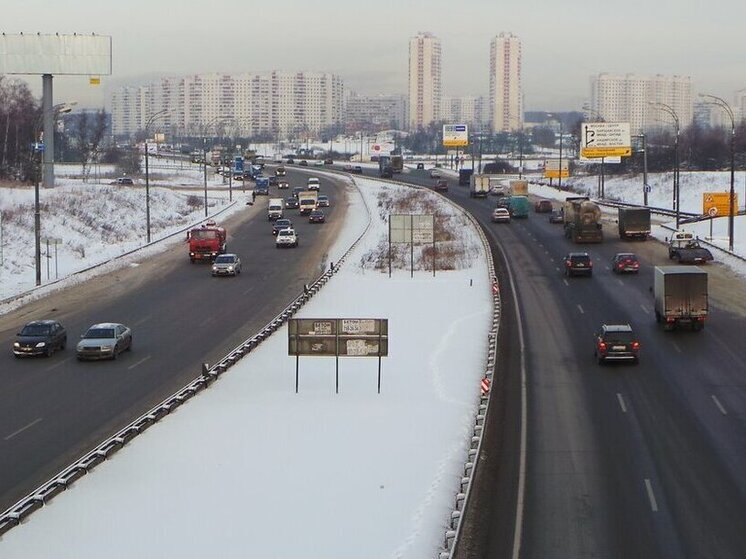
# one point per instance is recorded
(605, 139)
(716, 204)
(338, 337)
(455, 135)
(55, 54)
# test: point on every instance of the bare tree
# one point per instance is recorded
(88, 136)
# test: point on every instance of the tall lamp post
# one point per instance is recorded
(147, 172)
(559, 175)
(204, 156)
(723, 105)
(676, 202)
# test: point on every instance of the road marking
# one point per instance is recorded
(620, 281)
(142, 321)
(52, 367)
(249, 290)
(621, 402)
(140, 362)
(676, 347)
(644, 309)
(567, 284)
(22, 429)
(719, 405)
(651, 495)
(581, 309)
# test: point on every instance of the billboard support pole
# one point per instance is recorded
(336, 360)
(379, 361)
(297, 361)
(433, 226)
(48, 127)
(411, 246)
(389, 245)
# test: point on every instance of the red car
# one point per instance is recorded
(625, 262)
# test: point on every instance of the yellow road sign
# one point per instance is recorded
(598, 152)
(717, 204)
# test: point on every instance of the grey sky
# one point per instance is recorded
(367, 42)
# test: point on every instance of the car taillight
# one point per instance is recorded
(590, 263)
(635, 345)
(568, 262)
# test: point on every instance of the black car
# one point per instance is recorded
(40, 337)
(616, 342)
(420, 166)
(316, 216)
(357, 169)
(297, 190)
(303, 163)
(280, 224)
(291, 203)
(578, 263)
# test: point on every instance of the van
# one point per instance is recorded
(274, 208)
(313, 184)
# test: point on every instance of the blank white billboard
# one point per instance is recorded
(87, 55)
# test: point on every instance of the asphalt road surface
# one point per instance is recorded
(623, 461)
(53, 410)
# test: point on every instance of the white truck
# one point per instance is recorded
(313, 184)
(680, 296)
(307, 201)
(274, 208)
(479, 186)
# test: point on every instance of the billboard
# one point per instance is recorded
(605, 139)
(455, 135)
(716, 204)
(412, 228)
(342, 337)
(87, 55)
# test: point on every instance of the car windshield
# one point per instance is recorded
(97, 333)
(286, 233)
(579, 258)
(36, 330)
(224, 259)
(282, 223)
(204, 234)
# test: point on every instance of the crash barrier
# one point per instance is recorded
(14, 515)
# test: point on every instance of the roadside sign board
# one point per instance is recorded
(455, 135)
(614, 160)
(343, 337)
(414, 228)
(605, 139)
(552, 169)
(716, 204)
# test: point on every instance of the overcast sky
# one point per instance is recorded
(366, 43)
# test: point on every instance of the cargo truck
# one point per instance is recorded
(274, 209)
(582, 220)
(680, 297)
(634, 223)
(479, 186)
(464, 177)
(518, 206)
(307, 201)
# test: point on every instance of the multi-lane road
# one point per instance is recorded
(53, 410)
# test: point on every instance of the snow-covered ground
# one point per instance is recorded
(248, 468)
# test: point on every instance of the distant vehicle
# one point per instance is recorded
(357, 169)
(123, 181)
(420, 166)
(303, 163)
(286, 238)
(281, 224)
(290, 161)
(280, 171)
(206, 241)
(479, 185)
(297, 190)
(316, 216)
(616, 342)
(681, 297)
(543, 206)
(282, 185)
(578, 263)
(347, 168)
(291, 203)
(625, 262)
(464, 177)
(238, 176)
(262, 186)
(323, 201)
(313, 183)
(307, 201)
(519, 206)
(556, 217)
(274, 208)
(328, 161)
(226, 265)
(634, 223)
(40, 337)
(434, 174)
(104, 341)
(441, 185)
(685, 249)
(582, 220)
(500, 215)
(273, 181)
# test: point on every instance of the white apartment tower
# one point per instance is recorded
(631, 98)
(424, 80)
(506, 92)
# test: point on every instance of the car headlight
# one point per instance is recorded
(41, 344)
(16, 344)
(214, 268)
(230, 268)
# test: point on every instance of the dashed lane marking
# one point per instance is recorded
(621, 403)
(22, 429)
(651, 495)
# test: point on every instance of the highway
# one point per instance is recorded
(53, 410)
(622, 461)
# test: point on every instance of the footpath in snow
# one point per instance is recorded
(249, 468)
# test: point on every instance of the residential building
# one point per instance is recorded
(632, 98)
(465, 110)
(424, 80)
(375, 113)
(506, 91)
(739, 105)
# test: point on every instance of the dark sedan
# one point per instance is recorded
(40, 337)
(316, 216)
(291, 203)
(281, 224)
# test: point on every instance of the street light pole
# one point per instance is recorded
(732, 203)
(676, 201)
(559, 180)
(147, 172)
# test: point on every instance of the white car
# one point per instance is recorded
(104, 341)
(322, 201)
(500, 215)
(286, 238)
(313, 184)
(435, 173)
(226, 265)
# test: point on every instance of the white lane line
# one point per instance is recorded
(140, 362)
(621, 402)
(567, 284)
(644, 309)
(552, 261)
(651, 495)
(52, 367)
(141, 321)
(581, 309)
(22, 429)
(676, 347)
(620, 281)
(719, 405)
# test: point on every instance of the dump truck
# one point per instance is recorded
(685, 249)
(680, 297)
(634, 223)
(519, 188)
(479, 186)
(582, 220)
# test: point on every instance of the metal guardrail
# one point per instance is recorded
(35, 500)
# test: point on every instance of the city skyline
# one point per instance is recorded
(368, 49)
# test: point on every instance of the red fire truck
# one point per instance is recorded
(206, 241)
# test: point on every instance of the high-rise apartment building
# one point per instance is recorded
(739, 107)
(424, 80)
(465, 110)
(631, 98)
(278, 103)
(376, 113)
(506, 92)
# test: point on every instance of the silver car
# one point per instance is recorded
(226, 265)
(104, 341)
(323, 201)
